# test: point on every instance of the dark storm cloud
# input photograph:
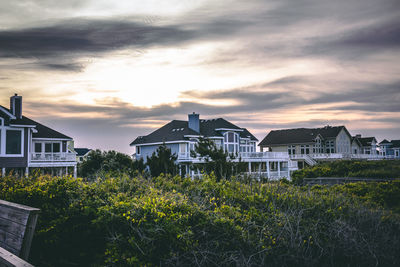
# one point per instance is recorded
(85, 36)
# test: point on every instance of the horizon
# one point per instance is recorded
(105, 73)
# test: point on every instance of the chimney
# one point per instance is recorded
(16, 106)
(194, 122)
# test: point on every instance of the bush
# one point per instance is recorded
(364, 169)
(170, 220)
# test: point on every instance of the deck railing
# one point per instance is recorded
(52, 157)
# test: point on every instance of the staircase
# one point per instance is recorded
(309, 160)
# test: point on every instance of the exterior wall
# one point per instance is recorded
(355, 148)
(17, 162)
(343, 141)
(147, 151)
(283, 149)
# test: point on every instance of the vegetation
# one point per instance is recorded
(217, 160)
(162, 161)
(169, 220)
(98, 163)
(365, 169)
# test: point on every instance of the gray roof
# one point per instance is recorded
(81, 151)
(366, 141)
(395, 143)
(300, 135)
(42, 130)
(176, 130)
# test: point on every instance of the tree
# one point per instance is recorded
(162, 161)
(107, 161)
(216, 159)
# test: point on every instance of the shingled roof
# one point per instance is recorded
(42, 130)
(366, 141)
(395, 143)
(176, 130)
(300, 135)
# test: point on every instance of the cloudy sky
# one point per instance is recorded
(105, 72)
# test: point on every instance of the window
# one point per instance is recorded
(182, 148)
(38, 147)
(231, 142)
(13, 142)
(292, 150)
(56, 147)
(330, 146)
(305, 149)
(47, 147)
(397, 153)
(138, 150)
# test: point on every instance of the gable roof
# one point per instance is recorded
(178, 130)
(355, 139)
(300, 135)
(42, 130)
(366, 141)
(81, 151)
(384, 141)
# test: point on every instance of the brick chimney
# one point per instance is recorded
(16, 106)
(194, 122)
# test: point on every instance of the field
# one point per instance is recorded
(167, 221)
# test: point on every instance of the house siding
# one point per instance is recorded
(147, 151)
(342, 142)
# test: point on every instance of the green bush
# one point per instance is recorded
(175, 221)
(348, 168)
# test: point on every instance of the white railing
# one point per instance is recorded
(367, 156)
(52, 157)
(242, 155)
(263, 155)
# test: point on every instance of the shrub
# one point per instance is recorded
(175, 221)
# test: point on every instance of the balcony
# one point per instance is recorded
(52, 157)
(244, 156)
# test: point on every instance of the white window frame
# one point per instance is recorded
(3, 142)
(235, 143)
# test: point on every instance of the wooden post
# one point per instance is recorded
(26, 171)
(75, 171)
(3, 172)
(268, 169)
(249, 167)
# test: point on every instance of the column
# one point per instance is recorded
(268, 169)
(279, 169)
(3, 172)
(66, 171)
(249, 167)
(26, 171)
(75, 171)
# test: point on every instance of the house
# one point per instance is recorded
(356, 146)
(390, 150)
(368, 145)
(181, 137)
(81, 154)
(26, 144)
(310, 145)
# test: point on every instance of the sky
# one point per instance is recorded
(105, 72)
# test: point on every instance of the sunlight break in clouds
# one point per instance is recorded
(97, 69)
